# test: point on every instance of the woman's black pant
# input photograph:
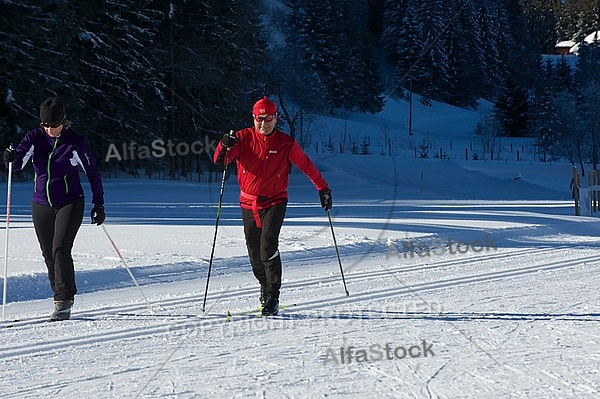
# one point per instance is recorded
(56, 229)
(263, 245)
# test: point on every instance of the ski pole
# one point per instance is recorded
(212, 251)
(10, 168)
(127, 267)
(337, 252)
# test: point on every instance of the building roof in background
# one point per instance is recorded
(573, 47)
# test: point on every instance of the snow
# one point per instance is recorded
(590, 38)
(497, 299)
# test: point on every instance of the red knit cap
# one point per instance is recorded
(264, 106)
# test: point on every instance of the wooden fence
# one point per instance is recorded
(587, 199)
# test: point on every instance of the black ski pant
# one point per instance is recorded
(56, 229)
(263, 245)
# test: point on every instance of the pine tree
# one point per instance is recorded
(541, 25)
(465, 67)
(291, 72)
(401, 40)
(431, 70)
(589, 112)
(577, 18)
(542, 110)
(334, 59)
(567, 20)
(589, 17)
(361, 71)
(511, 108)
(563, 75)
(375, 11)
(586, 69)
(490, 29)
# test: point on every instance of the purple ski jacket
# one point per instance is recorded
(55, 163)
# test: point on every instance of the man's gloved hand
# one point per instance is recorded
(98, 215)
(326, 198)
(229, 140)
(10, 155)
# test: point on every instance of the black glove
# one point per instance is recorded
(229, 140)
(98, 215)
(326, 199)
(10, 155)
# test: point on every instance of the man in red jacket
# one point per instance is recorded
(264, 155)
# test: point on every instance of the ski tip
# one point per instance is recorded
(11, 323)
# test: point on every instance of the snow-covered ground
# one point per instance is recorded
(466, 279)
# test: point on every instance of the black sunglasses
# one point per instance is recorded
(51, 125)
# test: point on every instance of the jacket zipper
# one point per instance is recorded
(48, 171)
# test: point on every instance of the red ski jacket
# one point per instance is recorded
(263, 166)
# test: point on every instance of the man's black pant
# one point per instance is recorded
(56, 229)
(263, 245)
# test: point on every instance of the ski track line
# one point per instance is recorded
(136, 332)
(496, 316)
(58, 386)
(219, 319)
(389, 271)
(462, 261)
(368, 275)
(434, 285)
(308, 282)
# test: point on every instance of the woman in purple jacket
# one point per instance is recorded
(56, 152)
